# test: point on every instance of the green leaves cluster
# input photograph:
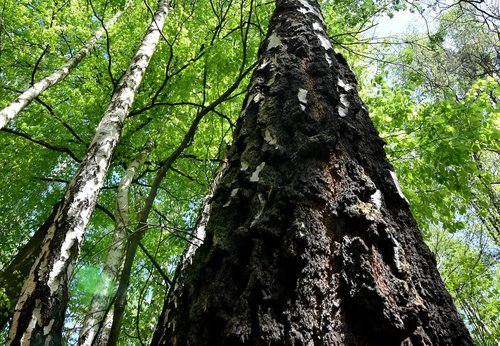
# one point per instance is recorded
(435, 103)
(438, 147)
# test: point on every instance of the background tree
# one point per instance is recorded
(97, 321)
(39, 312)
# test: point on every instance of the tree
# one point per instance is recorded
(309, 238)
(171, 68)
(39, 313)
(14, 274)
(97, 322)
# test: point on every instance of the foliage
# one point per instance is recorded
(435, 104)
(470, 270)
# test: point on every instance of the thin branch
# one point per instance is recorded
(43, 143)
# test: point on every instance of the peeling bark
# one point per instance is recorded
(98, 320)
(39, 313)
(309, 240)
(16, 106)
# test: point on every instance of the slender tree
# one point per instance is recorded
(309, 238)
(97, 321)
(16, 106)
(13, 275)
(142, 225)
(39, 313)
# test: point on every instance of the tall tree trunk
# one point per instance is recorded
(39, 313)
(16, 106)
(97, 322)
(12, 277)
(309, 239)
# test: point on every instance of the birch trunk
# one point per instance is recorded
(309, 239)
(16, 106)
(14, 274)
(39, 313)
(98, 319)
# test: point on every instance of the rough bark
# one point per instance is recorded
(16, 106)
(98, 320)
(39, 313)
(309, 239)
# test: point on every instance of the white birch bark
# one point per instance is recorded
(39, 313)
(16, 106)
(98, 319)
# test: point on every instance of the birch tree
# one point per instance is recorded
(309, 238)
(39, 313)
(23, 100)
(98, 319)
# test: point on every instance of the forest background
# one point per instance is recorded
(431, 92)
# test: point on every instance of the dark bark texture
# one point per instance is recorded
(309, 240)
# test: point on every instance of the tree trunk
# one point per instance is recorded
(39, 313)
(309, 239)
(13, 109)
(12, 277)
(97, 322)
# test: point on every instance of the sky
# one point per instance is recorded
(401, 22)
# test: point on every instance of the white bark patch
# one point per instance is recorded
(26, 338)
(344, 86)
(317, 27)
(302, 96)
(269, 139)
(325, 41)
(255, 175)
(258, 97)
(398, 186)
(231, 196)
(48, 328)
(376, 199)
(308, 8)
(262, 202)
(272, 79)
(263, 65)
(397, 253)
(303, 10)
(244, 166)
(344, 107)
(54, 276)
(274, 41)
(342, 112)
(328, 59)
(344, 101)
(249, 100)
